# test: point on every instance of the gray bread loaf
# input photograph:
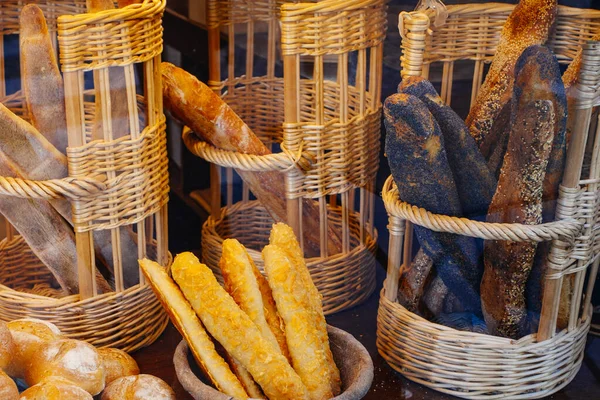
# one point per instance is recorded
(518, 199)
(419, 165)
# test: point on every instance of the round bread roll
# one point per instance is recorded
(7, 346)
(8, 387)
(28, 335)
(117, 364)
(70, 359)
(55, 389)
(138, 387)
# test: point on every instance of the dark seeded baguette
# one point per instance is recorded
(411, 285)
(518, 199)
(474, 183)
(528, 24)
(418, 162)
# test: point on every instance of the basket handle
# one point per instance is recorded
(438, 7)
(69, 188)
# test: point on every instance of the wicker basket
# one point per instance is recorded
(324, 129)
(113, 185)
(472, 365)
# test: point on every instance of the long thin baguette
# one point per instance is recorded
(518, 199)
(236, 332)
(195, 104)
(528, 24)
(187, 323)
(418, 162)
(283, 237)
(41, 79)
(241, 282)
(413, 279)
(37, 159)
(304, 342)
(250, 386)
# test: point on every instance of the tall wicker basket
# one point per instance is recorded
(323, 128)
(472, 365)
(117, 186)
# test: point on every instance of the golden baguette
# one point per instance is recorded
(41, 79)
(236, 332)
(305, 343)
(283, 236)
(187, 323)
(242, 282)
(250, 386)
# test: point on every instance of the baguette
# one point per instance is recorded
(435, 296)
(283, 237)
(417, 158)
(41, 79)
(185, 320)
(196, 105)
(305, 344)
(250, 386)
(528, 24)
(518, 199)
(241, 279)
(412, 281)
(494, 149)
(36, 158)
(474, 182)
(236, 332)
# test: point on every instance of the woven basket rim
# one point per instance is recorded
(74, 300)
(132, 11)
(493, 8)
(566, 229)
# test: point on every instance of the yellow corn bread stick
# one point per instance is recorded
(305, 344)
(236, 332)
(283, 236)
(245, 378)
(251, 292)
(187, 323)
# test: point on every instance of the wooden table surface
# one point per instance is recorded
(360, 321)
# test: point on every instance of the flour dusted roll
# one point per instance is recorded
(74, 360)
(117, 364)
(28, 335)
(8, 387)
(7, 346)
(55, 388)
(138, 387)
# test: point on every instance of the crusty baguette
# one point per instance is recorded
(518, 199)
(528, 24)
(418, 162)
(195, 104)
(305, 344)
(434, 296)
(36, 158)
(187, 323)
(241, 283)
(236, 332)
(283, 237)
(413, 279)
(41, 79)
(247, 381)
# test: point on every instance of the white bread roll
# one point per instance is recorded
(28, 335)
(8, 387)
(117, 364)
(7, 346)
(138, 387)
(74, 360)
(55, 389)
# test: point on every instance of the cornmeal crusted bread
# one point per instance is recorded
(236, 332)
(187, 323)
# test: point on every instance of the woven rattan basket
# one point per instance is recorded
(472, 365)
(115, 185)
(319, 111)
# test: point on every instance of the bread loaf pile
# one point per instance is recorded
(57, 368)
(37, 151)
(504, 164)
(272, 330)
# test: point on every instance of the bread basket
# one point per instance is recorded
(352, 359)
(322, 127)
(473, 365)
(113, 185)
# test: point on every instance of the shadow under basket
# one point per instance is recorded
(128, 320)
(344, 279)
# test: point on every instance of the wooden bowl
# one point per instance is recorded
(351, 357)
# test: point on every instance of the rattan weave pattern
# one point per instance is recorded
(52, 9)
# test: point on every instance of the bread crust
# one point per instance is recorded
(55, 388)
(41, 80)
(116, 364)
(236, 332)
(187, 323)
(8, 387)
(138, 387)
